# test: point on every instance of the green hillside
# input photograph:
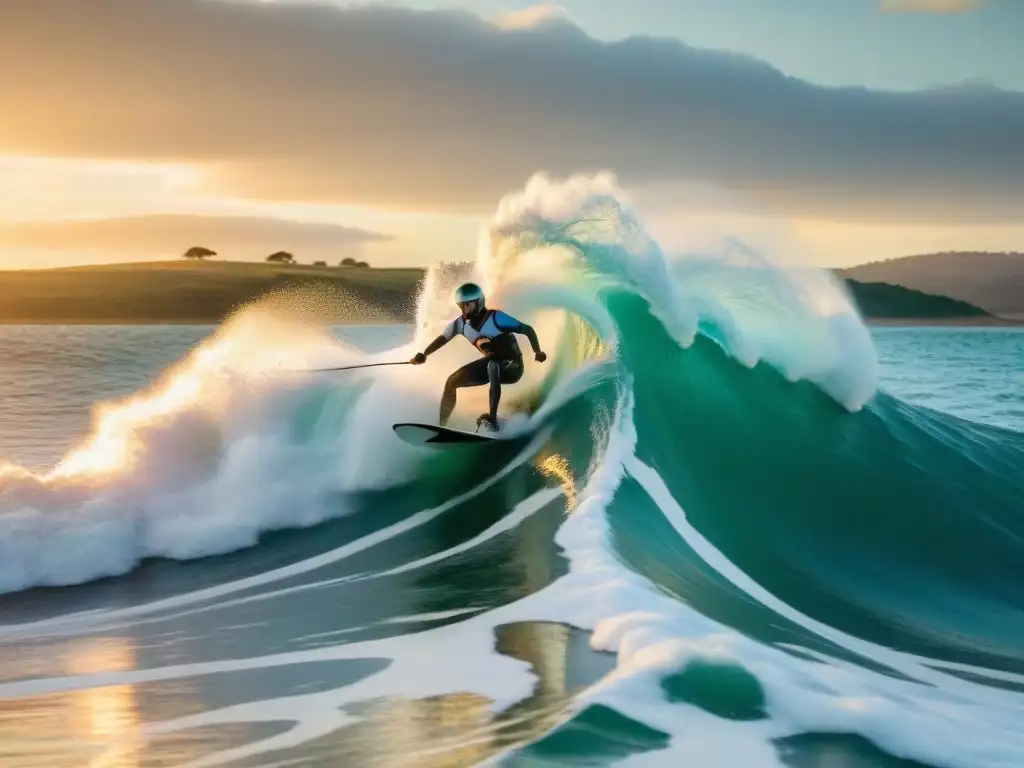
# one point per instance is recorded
(993, 281)
(206, 292)
(202, 292)
(881, 300)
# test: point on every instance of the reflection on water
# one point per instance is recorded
(166, 716)
(557, 467)
(95, 727)
(107, 725)
(435, 733)
(452, 730)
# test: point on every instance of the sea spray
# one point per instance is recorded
(799, 319)
(207, 458)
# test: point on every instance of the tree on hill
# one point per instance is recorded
(348, 261)
(281, 257)
(198, 253)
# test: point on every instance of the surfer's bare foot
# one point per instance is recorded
(487, 421)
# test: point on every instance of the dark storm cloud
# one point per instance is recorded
(444, 110)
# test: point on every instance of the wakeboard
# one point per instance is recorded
(433, 435)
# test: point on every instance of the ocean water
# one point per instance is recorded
(730, 526)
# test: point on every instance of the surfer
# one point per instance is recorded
(490, 331)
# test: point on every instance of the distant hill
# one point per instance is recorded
(993, 281)
(882, 300)
(207, 292)
(202, 292)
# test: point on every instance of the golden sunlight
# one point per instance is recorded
(115, 441)
(40, 188)
(253, 343)
(106, 716)
(557, 467)
(42, 191)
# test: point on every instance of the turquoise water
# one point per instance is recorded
(729, 525)
(975, 373)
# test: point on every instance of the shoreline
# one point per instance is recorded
(178, 293)
(944, 322)
(160, 321)
(892, 322)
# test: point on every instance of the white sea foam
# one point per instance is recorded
(801, 320)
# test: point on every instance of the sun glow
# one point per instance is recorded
(41, 188)
(557, 467)
(254, 344)
(115, 441)
(105, 716)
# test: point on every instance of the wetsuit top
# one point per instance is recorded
(490, 332)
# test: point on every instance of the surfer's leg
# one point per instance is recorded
(502, 372)
(494, 375)
(470, 375)
(512, 371)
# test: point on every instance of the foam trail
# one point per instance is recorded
(87, 622)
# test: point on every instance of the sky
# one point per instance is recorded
(832, 132)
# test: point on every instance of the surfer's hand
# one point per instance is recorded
(540, 357)
(419, 359)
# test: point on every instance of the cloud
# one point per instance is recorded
(443, 110)
(172, 234)
(532, 16)
(929, 6)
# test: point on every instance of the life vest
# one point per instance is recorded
(494, 337)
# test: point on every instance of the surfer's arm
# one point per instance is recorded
(529, 333)
(508, 323)
(436, 344)
(446, 335)
(421, 357)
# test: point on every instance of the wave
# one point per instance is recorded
(776, 551)
(232, 441)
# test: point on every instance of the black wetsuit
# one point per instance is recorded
(491, 331)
